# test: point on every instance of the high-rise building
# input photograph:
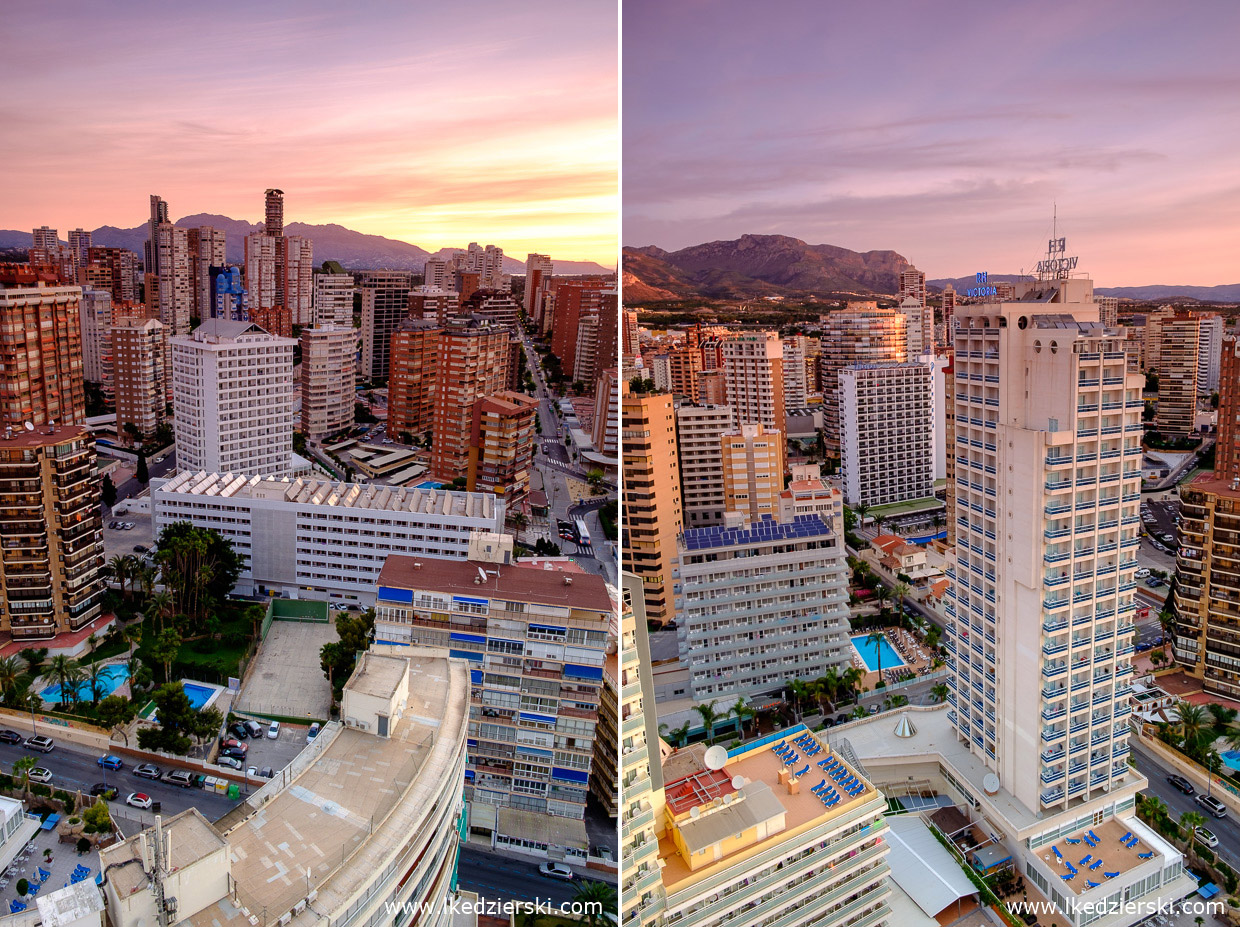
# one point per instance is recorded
(233, 399)
(295, 283)
(1207, 589)
(1108, 310)
(328, 379)
(684, 366)
(605, 435)
(273, 212)
(887, 426)
(652, 508)
(919, 327)
(501, 444)
(438, 272)
(80, 245)
(159, 215)
(1209, 352)
(790, 621)
(537, 268)
(385, 304)
(1179, 346)
(861, 333)
(596, 340)
(753, 471)
(949, 309)
(753, 368)
(630, 342)
(228, 297)
(41, 355)
(487, 263)
(207, 249)
(44, 239)
(140, 377)
(434, 303)
(798, 350)
(699, 434)
(496, 305)
(1048, 486)
(575, 300)
(173, 297)
(471, 363)
(95, 316)
(114, 269)
(51, 562)
(333, 299)
(411, 383)
(260, 272)
(531, 752)
(912, 285)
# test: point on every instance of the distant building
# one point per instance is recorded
(140, 377)
(333, 299)
(385, 304)
(537, 268)
(41, 355)
(1108, 310)
(861, 333)
(887, 433)
(228, 298)
(207, 249)
(1179, 351)
(753, 471)
(471, 363)
(114, 269)
(1209, 352)
(412, 375)
(501, 444)
(753, 369)
(328, 378)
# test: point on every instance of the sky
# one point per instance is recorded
(429, 123)
(949, 132)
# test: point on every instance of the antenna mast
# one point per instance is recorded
(159, 869)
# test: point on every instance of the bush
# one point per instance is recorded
(83, 845)
(22, 886)
(97, 818)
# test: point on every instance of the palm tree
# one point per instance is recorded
(146, 579)
(597, 899)
(1166, 619)
(1192, 718)
(118, 567)
(61, 670)
(829, 685)
(1155, 808)
(1222, 716)
(798, 690)
(1190, 821)
(161, 605)
(882, 593)
(742, 712)
(21, 770)
(877, 638)
(679, 735)
(10, 673)
(95, 679)
(860, 712)
(709, 719)
(900, 590)
(529, 916)
(850, 679)
(131, 634)
(939, 691)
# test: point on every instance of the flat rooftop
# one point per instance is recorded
(42, 435)
(302, 491)
(544, 585)
(766, 531)
(192, 839)
(692, 784)
(1116, 857)
(377, 675)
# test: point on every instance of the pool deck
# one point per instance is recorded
(916, 656)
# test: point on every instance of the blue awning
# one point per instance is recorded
(577, 671)
(391, 594)
(548, 629)
(466, 655)
(569, 775)
(541, 719)
(467, 638)
(471, 601)
(1209, 890)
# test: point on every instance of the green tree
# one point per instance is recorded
(798, 689)
(742, 713)
(206, 724)
(119, 569)
(596, 900)
(142, 475)
(114, 713)
(10, 673)
(1166, 620)
(97, 818)
(61, 670)
(21, 770)
(177, 720)
(877, 638)
(939, 691)
(198, 566)
(95, 681)
(34, 660)
(165, 649)
(23, 886)
(1192, 719)
(709, 719)
(338, 659)
(108, 491)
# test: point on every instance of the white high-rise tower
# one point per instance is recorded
(1048, 486)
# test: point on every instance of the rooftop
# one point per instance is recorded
(747, 792)
(42, 435)
(544, 585)
(326, 492)
(192, 838)
(1109, 856)
(766, 531)
(377, 675)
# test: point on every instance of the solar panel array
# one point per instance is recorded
(760, 532)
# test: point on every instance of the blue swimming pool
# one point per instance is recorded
(198, 695)
(1231, 759)
(869, 653)
(428, 484)
(111, 678)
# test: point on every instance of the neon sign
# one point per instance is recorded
(982, 289)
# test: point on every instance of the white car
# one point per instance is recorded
(230, 761)
(40, 774)
(273, 732)
(1206, 837)
(1142, 573)
(313, 732)
(138, 800)
(556, 871)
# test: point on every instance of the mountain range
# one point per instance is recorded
(1224, 293)
(354, 250)
(755, 266)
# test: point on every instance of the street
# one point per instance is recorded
(507, 878)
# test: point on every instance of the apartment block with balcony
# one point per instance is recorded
(501, 445)
(1179, 346)
(328, 378)
(761, 604)
(699, 437)
(753, 370)
(41, 355)
(861, 333)
(887, 433)
(51, 537)
(753, 471)
(140, 377)
(536, 640)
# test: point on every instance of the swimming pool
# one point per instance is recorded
(428, 484)
(198, 695)
(869, 653)
(1231, 759)
(111, 677)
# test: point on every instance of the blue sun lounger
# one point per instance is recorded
(1085, 859)
(1111, 875)
(804, 770)
(1092, 835)
(1092, 884)
(1058, 855)
(1145, 855)
(1124, 839)
(1097, 863)
(1072, 840)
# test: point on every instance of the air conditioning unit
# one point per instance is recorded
(299, 907)
(285, 918)
(312, 897)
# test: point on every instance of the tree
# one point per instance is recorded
(177, 720)
(114, 713)
(877, 638)
(596, 900)
(21, 770)
(34, 660)
(709, 719)
(829, 685)
(679, 736)
(142, 475)
(198, 566)
(131, 634)
(97, 818)
(10, 673)
(108, 491)
(882, 593)
(1190, 821)
(165, 649)
(160, 605)
(338, 658)
(742, 713)
(118, 567)
(1192, 718)
(95, 682)
(939, 691)
(798, 690)
(207, 723)
(1166, 620)
(1223, 716)
(23, 886)
(61, 671)
(900, 590)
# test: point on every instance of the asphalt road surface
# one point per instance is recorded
(1226, 829)
(504, 878)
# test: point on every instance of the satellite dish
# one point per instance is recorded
(716, 757)
(695, 812)
(738, 782)
(990, 784)
(727, 799)
(30, 426)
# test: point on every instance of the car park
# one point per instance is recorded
(147, 771)
(1182, 784)
(230, 761)
(1212, 805)
(105, 791)
(110, 762)
(10, 737)
(182, 777)
(254, 729)
(556, 871)
(313, 732)
(1204, 836)
(40, 743)
(138, 800)
(273, 732)
(40, 774)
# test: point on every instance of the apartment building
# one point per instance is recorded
(1178, 354)
(753, 370)
(1108, 310)
(861, 333)
(140, 377)
(918, 327)
(328, 378)
(333, 298)
(699, 440)
(651, 507)
(322, 539)
(385, 304)
(536, 640)
(411, 380)
(538, 267)
(41, 355)
(95, 316)
(51, 562)
(471, 363)
(887, 441)
(1209, 352)
(114, 269)
(800, 368)
(207, 249)
(1048, 484)
(501, 444)
(759, 605)
(233, 399)
(753, 471)
(435, 304)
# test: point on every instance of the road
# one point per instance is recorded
(506, 878)
(131, 487)
(1226, 829)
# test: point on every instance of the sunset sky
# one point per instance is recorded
(425, 122)
(945, 131)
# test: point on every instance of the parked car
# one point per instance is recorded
(147, 771)
(273, 732)
(1142, 573)
(254, 729)
(40, 743)
(105, 791)
(1204, 836)
(237, 729)
(1182, 784)
(182, 777)
(230, 761)
(140, 548)
(40, 774)
(226, 742)
(556, 871)
(1153, 582)
(313, 732)
(238, 752)
(267, 772)
(1212, 804)
(10, 737)
(138, 800)
(110, 762)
